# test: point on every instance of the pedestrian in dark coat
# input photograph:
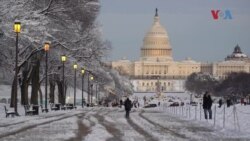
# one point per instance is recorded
(207, 104)
(220, 103)
(228, 102)
(121, 103)
(128, 105)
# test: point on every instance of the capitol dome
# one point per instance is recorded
(237, 55)
(156, 45)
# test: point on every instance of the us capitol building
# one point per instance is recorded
(156, 64)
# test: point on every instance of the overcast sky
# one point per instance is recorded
(189, 23)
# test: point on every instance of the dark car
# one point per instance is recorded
(193, 103)
(150, 106)
(182, 103)
(174, 104)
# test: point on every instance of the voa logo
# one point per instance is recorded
(218, 14)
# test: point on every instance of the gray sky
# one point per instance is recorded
(189, 24)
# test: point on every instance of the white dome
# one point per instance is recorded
(157, 36)
(240, 55)
(237, 54)
(157, 30)
(156, 45)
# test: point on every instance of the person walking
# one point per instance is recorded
(121, 103)
(220, 103)
(207, 104)
(228, 102)
(128, 105)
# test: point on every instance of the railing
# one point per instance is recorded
(232, 117)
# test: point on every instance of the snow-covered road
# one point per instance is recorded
(107, 124)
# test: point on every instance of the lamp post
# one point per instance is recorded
(46, 49)
(17, 29)
(63, 59)
(91, 78)
(75, 67)
(82, 71)
(88, 88)
(96, 85)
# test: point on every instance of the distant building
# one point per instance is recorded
(156, 63)
(236, 62)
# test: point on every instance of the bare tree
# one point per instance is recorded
(200, 82)
(237, 84)
(69, 25)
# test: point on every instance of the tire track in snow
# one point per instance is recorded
(110, 127)
(162, 128)
(23, 129)
(7, 125)
(144, 133)
(82, 131)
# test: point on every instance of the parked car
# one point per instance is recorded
(193, 103)
(170, 100)
(174, 104)
(182, 103)
(150, 105)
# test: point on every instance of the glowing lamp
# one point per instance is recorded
(46, 46)
(75, 66)
(17, 27)
(63, 58)
(83, 71)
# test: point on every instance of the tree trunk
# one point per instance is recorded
(60, 92)
(24, 92)
(41, 96)
(35, 83)
(52, 86)
(24, 86)
(13, 96)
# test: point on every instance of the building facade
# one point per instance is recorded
(157, 64)
(236, 62)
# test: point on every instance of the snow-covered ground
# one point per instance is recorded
(163, 123)
(108, 123)
(233, 120)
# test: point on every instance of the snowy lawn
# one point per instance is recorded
(109, 124)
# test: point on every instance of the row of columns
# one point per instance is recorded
(156, 52)
(155, 69)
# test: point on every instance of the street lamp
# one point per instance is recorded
(75, 67)
(17, 29)
(91, 78)
(96, 93)
(91, 90)
(63, 59)
(91, 93)
(46, 49)
(82, 71)
(88, 89)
